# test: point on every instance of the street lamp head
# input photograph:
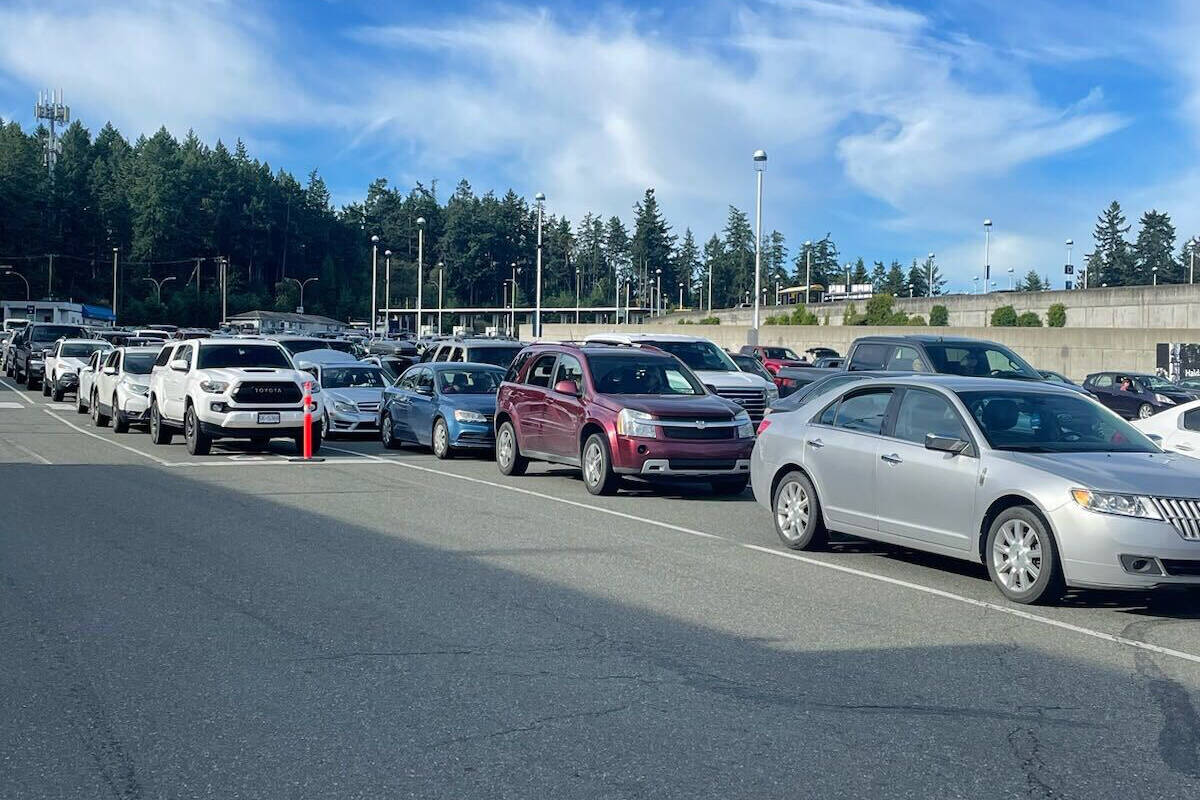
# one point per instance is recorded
(387, 253)
(541, 198)
(441, 264)
(1070, 242)
(808, 243)
(987, 223)
(760, 159)
(421, 221)
(374, 240)
(115, 249)
(577, 272)
(658, 272)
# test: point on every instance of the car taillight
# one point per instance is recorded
(762, 426)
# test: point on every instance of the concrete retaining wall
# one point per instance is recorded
(1074, 352)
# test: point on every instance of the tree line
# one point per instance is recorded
(1116, 261)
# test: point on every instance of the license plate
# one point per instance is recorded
(268, 418)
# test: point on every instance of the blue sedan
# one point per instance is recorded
(445, 406)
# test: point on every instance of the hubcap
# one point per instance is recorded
(439, 437)
(189, 424)
(386, 429)
(791, 510)
(1145, 411)
(593, 463)
(1017, 555)
(506, 446)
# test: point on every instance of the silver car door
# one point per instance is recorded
(927, 495)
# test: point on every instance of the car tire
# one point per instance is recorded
(440, 440)
(45, 387)
(80, 408)
(387, 433)
(159, 432)
(598, 475)
(120, 422)
(1022, 557)
(799, 523)
(508, 451)
(1145, 411)
(98, 417)
(198, 442)
(260, 443)
(57, 394)
(728, 487)
(327, 425)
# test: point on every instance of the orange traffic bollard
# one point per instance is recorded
(307, 455)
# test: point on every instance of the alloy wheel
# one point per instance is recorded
(385, 430)
(792, 510)
(1017, 555)
(504, 447)
(593, 463)
(1145, 411)
(441, 439)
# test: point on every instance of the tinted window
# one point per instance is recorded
(539, 373)
(782, 353)
(699, 355)
(408, 380)
(979, 359)
(500, 356)
(1051, 423)
(514, 369)
(1191, 420)
(751, 364)
(164, 356)
(1103, 381)
(906, 359)
(111, 359)
(365, 377)
(139, 363)
(215, 356)
(295, 346)
(924, 412)
(802, 395)
(869, 356)
(827, 416)
(863, 412)
(641, 374)
(569, 370)
(469, 381)
(185, 352)
(442, 353)
(82, 350)
(47, 334)
(424, 381)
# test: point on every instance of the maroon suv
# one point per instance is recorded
(619, 411)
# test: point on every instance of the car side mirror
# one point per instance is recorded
(110, 370)
(426, 391)
(179, 364)
(567, 387)
(945, 444)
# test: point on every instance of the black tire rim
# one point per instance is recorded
(385, 430)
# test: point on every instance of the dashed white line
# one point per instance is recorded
(815, 562)
(28, 452)
(16, 391)
(73, 426)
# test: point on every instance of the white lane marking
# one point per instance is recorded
(97, 436)
(1015, 612)
(29, 452)
(11, 405)
(16, 391)
(61, 406)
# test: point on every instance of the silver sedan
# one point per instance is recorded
(1046, 487)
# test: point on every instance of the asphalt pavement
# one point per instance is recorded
(387, 625)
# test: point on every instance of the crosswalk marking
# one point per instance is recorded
(11, 405)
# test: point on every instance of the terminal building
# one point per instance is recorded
(58, 311)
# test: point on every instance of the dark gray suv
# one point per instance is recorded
(948, 356)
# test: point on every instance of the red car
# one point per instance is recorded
(774, 357)
(618, 412)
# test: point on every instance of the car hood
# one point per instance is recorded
(1160, 474)
(703, 406)
(72, 362)
(483, 403)
(366, 394)
(731, 380)
(1180, 396)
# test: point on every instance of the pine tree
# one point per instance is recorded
(1154, 250)
(1113, 261)
(687, 266)
(734, 276)
(714, 253)
(652, 245)
(918, 280)
(895, 283)
(1032, 282)
(878, 276)
(774, 260)
(860, 274)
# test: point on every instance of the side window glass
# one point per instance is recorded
(925, 412)
(539, 374)
(164, 356)
(1104, 382)
(863, 412)
(442, 354)
(185, 353)
(514, 369)
(827, 416)
(906, 359)
(1191, 420)
(460, 354)
(569, 370)
(112, 359)
(869, 356)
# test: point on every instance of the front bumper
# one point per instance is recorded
(68, 381)
(1091, 546)
(242, 423)
(672, 458)
(464, 435)
(136, 407)
(353, 421)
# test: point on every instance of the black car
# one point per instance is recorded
(392, 347)
(1136, 394)
(793, 379)
(821, 352)
(830, 362)
(393, 366)
(751, 364)
(33, 344)
(938, 354)
(1056, 377)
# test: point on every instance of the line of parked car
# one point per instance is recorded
(1043, 481)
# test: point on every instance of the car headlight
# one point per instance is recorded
(35, 360)
(462, 415)
(745, 426)
(214, 387)
(1125, 505)
(344, 407)
(136, 388)
(772, 393)
(1163, 400)
(636, 423)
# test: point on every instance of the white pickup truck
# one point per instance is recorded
(230, 389)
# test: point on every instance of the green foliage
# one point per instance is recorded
(1056, 317)
(916, 319)
(686, 322)
(1004, 317)
(939, 315)
(879, 312)
(1029, 319)
(851, 316)
(1032, 282)
(1154, 250)
(802, 316)
(709, 321)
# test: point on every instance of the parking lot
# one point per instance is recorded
(385, 624)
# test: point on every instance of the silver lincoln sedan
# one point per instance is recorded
(1045, 486)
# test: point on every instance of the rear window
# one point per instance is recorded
(699, 355)
(217, 356)
(869, 356)
(52, 333)
(295, 346)
(82, 350)
(139, 363)
(500, 356)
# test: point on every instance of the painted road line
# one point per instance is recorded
(11, 405)
(815, 562)
(73, 426)
(61, 406)
(23, 449)
(16, 391)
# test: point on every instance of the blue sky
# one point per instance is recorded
(897, 127)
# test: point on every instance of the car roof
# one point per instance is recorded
(324, 356)
(482, 342)
(644, 337)
(925, 338)
(81, 340)
(250, 341)
(963, 383)
(442, 366)
(149, 349)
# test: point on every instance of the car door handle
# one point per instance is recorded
(892, 459)
(817, 443)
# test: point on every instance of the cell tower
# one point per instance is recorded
(50, 107)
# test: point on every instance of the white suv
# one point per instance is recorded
(230, 389)
(711, 364)
(63, 363)
(119, 388)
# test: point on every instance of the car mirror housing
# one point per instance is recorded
(110, 370)
(1154, 437)
(946, 444)
(567, 387)
(179, 365)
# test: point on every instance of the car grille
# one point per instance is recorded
(1183, 513)
(368, 408)
(701, 464)
(1181, 567)
(697, 434)
(753, 400)
(470, 437)
(267, 392)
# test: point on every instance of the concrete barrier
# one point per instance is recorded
(1074, 352)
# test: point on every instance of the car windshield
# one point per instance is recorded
(817, 387)
(52, 333)
(365, 377)
(1157, 384)
(1053, 377)
(781, 353)
(336, 344)
(751, 364)
(641, 374)
(82, 349)
(500, 356)
(218, 356)
(139, 363)
(979, 359)
(699, 355)
(469, 381)
(1051, 423)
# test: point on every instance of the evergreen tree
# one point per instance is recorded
(918, 279)
(652, 245)
(734, 276)
(714, 254)
(1154, 250)
(775, 260)
(878, 275)
(895, 283)
(860, 274)
(1112, 261)
(687, 267)
(1031, 282)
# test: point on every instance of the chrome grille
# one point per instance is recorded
(753, 400)
(1183, 513)
(368, 408)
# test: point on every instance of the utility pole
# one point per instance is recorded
(760, 163)
(114, 302)
(197, 277)
(807, 271)
(537, 311)
(50, 277)
(50, 107)
(374, 282)
(387, 291)
(420, 268)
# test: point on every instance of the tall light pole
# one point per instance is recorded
(658, 303)
(680, 306)
(8, 269)
(929, 286)
(760, 166)
(1010, 279)
(807, 270)
(387, 291)
(1195, 242)
(578, 277)
(374, 282)
(1155, 271)
(1070, 265)
(910, 291)
(537, 309)
(158, 287)
(302, 284)
(223, 263)
(114, 302)
(512, 306)
(710, 277)
(987, 251)
(848, 268)
(420, 268)
(441, 276)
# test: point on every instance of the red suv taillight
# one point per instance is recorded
(762, 426)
